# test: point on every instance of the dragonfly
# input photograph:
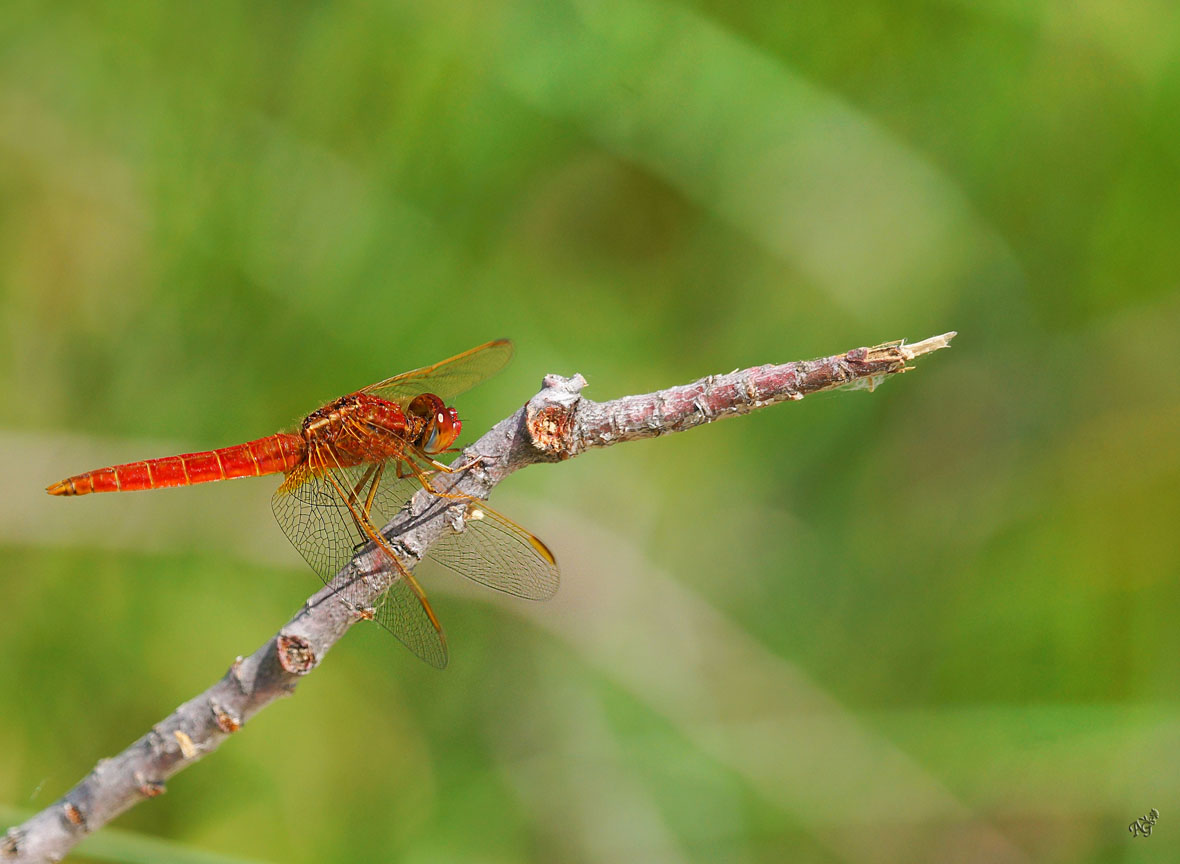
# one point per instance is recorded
(348, 468)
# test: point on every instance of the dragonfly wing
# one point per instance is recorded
(317, 522)
(328, 532)
(495, 551)
(400, 611)
(447, 378)
(491, 549)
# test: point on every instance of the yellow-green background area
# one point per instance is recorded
(935, 623)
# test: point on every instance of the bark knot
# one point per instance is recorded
(551, 429)
(296, 655)
(549, 416)
(74, 815)
(10, 845)
(227, 721)
(149, 788)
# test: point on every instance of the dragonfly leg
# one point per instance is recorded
(360, 484)
(373, 489)
(379, 540)
(373, 473)
(438, 466)
(368, 508)
(352, 500)
(449, 469)
(424, 479)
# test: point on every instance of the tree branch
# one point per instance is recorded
(555, 424)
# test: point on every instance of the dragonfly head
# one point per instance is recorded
(441, 423)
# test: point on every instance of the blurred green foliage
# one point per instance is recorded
(935, 623)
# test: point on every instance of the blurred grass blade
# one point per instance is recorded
(810, 178)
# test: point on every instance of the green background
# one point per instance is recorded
(936, 623)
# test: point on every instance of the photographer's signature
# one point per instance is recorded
(1144, 824)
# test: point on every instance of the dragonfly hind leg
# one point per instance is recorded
(353, 500)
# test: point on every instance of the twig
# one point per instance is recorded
(555, 424)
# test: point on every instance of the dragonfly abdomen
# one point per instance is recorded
(271, 455)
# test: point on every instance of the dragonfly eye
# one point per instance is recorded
(441, 430)
(432, 440)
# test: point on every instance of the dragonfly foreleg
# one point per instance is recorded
(448, 469)
(423, 476)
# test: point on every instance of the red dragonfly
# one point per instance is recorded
(349, 468)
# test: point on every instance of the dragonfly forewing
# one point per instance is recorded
(448, 378)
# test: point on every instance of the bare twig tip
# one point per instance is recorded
(926, 346)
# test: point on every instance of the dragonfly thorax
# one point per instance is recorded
(356, 428)
(361, 427)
